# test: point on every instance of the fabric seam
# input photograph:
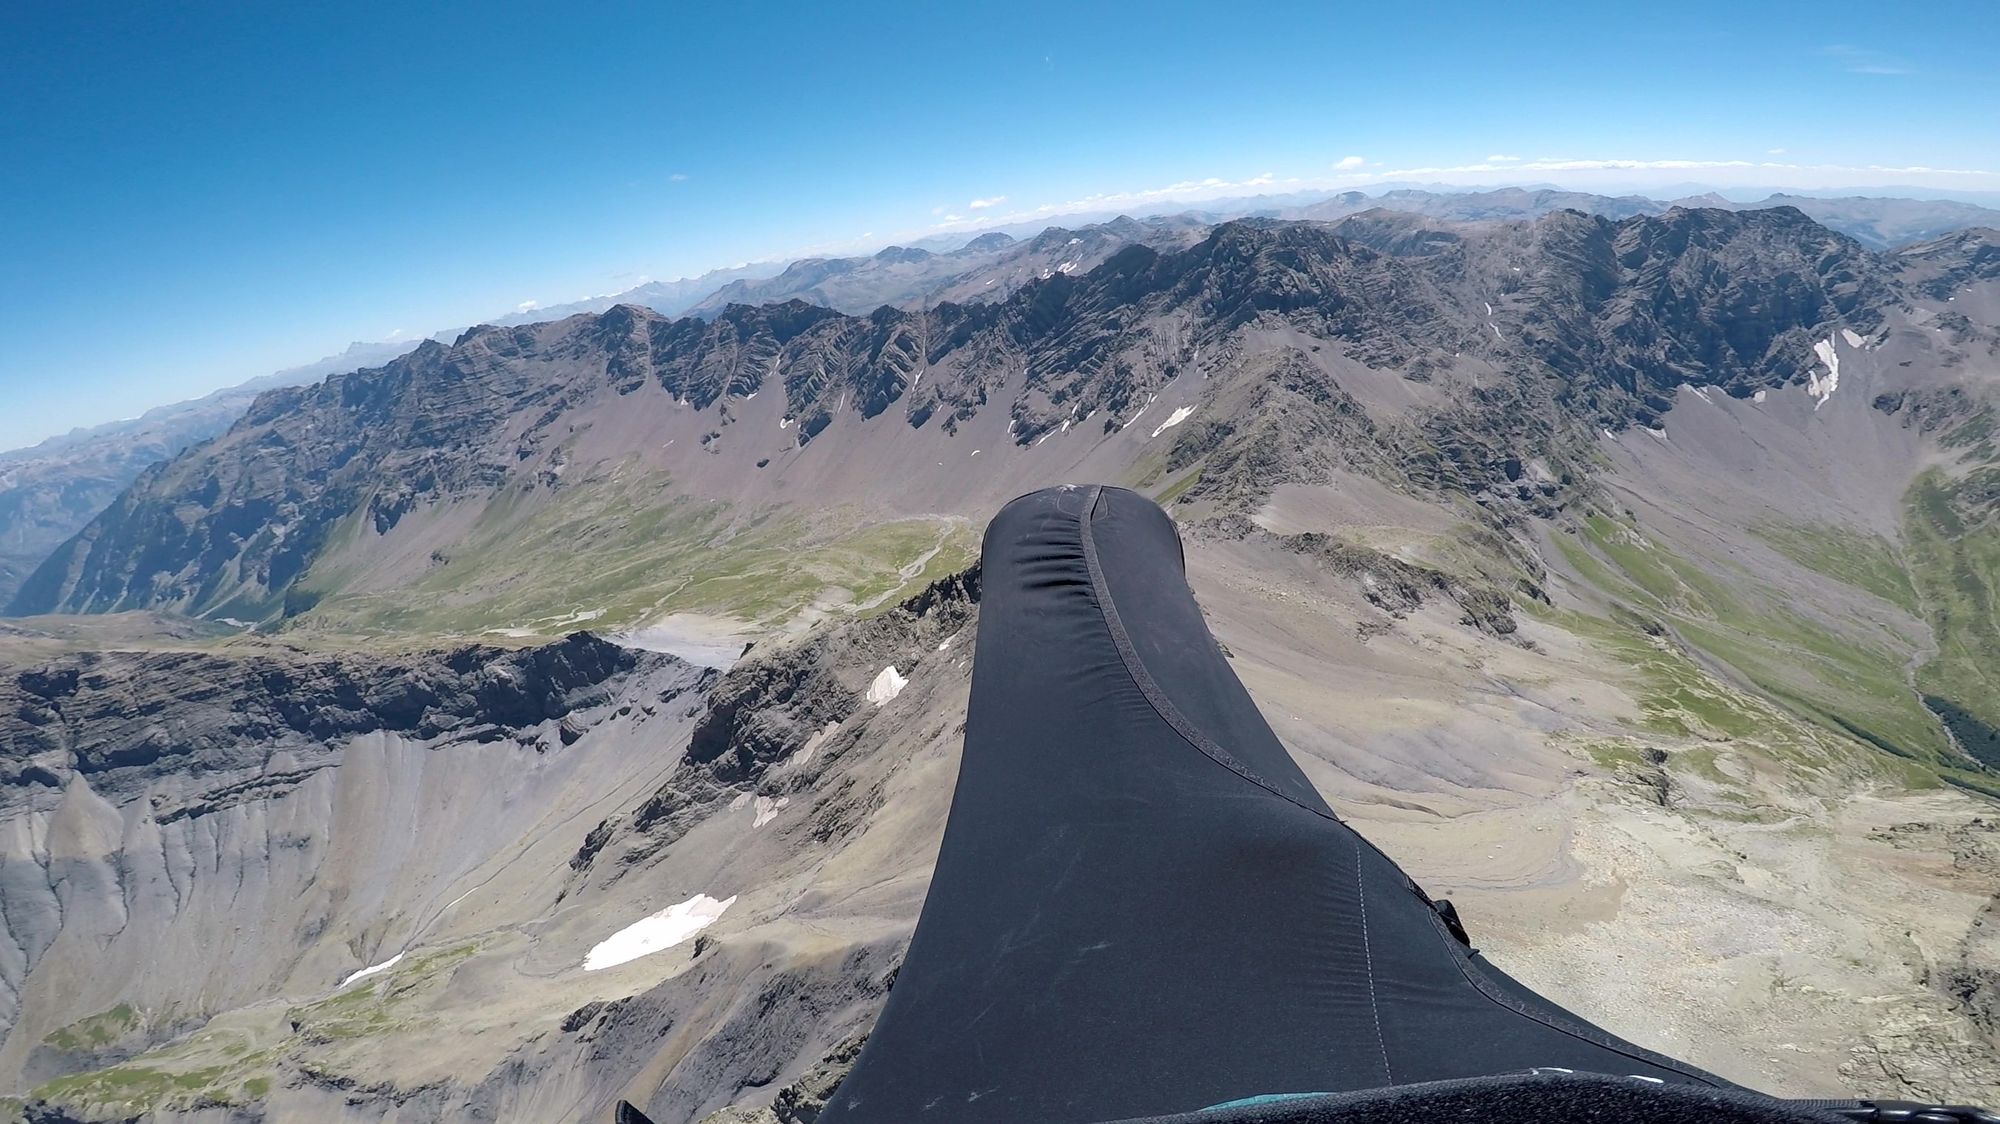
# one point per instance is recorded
(1135, 668)
(1368, 960)
(1485, 987)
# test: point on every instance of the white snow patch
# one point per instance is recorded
(975, 452)
(887, 686)
(1496, 332)
(1757, 397)
(1823, 388)
(1072, 241)
(372, 969)
(1853, 338)
(1702, 394)
(1610, 436)
(1177, 417)
(662, 930)
(812, 745)
(1066, 267)
(767, 810)
(785, 423)
(741, 802)
(1489, 308)
(946, 642)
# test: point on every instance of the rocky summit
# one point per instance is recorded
(569, 713)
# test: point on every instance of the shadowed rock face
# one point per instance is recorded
(195, 829)
(126, 720)
(49, 492)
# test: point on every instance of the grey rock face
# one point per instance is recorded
(50, 491)
(124, 721)
(159, 802)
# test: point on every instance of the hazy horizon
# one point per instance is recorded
(249, 191)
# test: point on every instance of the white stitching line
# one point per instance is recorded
(1135, 668)
(1473, 975)
(1368, 955)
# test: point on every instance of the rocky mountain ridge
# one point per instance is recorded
(54, 495)
(1880, 223)
(50, 490)
(1589, 320)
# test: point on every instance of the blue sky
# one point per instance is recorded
(195, 195)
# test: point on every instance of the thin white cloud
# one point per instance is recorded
(982, 204)
(527, 306)
(1502, 159)
(1774, 152)
(678, 177)
(1347, 162)
(1865, 60)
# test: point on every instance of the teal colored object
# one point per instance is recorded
(1265, 1098)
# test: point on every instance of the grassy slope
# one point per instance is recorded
(225, 1065)
(1845, 685)
(621, 550)
(1863, 561)
(1953, 547)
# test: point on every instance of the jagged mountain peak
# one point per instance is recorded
(896, 255)
(1614, 315)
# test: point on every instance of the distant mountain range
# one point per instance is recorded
(48, 492)
(316, 480)
(1877, 223)
(989, 267)
(669, 298)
